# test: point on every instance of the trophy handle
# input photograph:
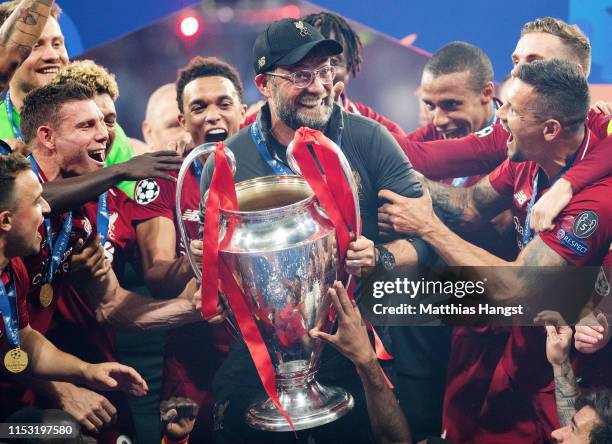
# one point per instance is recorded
(200, 150)
(348, 174)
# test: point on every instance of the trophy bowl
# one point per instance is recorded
(281, 249)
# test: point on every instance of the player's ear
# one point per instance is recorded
(6, 221)
(551, 129)
(261, 80)
(487, 93)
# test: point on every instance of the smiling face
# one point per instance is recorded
(23, 238)
(212, 109)
(296, 107)
(44, 62)
(80, 138)
(456, 109)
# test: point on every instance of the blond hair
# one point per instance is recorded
(573, 38)
(91, 74)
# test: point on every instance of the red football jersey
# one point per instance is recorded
(583, 229)
(157, 198)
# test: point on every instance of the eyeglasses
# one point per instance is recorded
(304, 78)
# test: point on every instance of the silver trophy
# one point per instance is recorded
(283, 255)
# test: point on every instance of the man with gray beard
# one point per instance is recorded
(292, 62)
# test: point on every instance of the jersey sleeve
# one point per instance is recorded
(153, 198)
(473, 155)
(422, 134)
(502, 178)
(596, 164)
(583, 230)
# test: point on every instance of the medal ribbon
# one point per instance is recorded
(9, 110)
(279, 168)
(57, 250)
(8, 307)
(222, 195)
(102, 218)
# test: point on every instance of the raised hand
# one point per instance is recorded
(351, 338)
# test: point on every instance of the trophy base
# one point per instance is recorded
(308, 404)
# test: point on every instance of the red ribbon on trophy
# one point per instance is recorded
(222, 195)
(334, 194)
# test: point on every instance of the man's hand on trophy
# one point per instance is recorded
(197, 248)
(360, 256)
(351, 338)
(221, 312)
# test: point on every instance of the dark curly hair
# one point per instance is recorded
(206, 67)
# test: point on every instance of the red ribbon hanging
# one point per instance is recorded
(335, 196)
(222, 195)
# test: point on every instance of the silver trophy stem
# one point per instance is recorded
(307, 402)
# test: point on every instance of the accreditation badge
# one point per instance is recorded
(16, 360)
(46, 295)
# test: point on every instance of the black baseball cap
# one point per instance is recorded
(286, 42)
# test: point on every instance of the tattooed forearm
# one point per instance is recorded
(450, 203)
(566, 392)
(20, 32)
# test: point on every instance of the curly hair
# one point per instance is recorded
(206, 67)
(91, 74)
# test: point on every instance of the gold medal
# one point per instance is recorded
(46, 295)
(16, 360)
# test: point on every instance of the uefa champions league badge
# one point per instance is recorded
(147, 190)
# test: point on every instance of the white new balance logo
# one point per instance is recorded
(520, 197)
(191, 215)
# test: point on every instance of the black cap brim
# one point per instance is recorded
(332, 47)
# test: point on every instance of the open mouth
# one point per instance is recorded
(215, 135)
(48, 70)
(98, 155)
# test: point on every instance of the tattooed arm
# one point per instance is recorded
(558, 341)
(506, 280)
(466, 208)
(19, 33)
